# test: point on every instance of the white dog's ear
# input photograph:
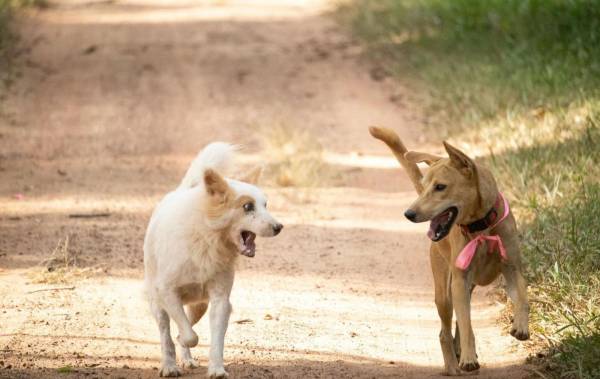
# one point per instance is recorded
(214, 183)
(253, 175)
(417, 157)
(460, 160)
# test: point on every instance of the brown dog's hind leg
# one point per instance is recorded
(443, 302)
(516, 286)
(456, 341)
(457, 334)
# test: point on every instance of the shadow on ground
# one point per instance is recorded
(287, 369)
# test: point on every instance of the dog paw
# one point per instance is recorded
(169, 371)
(521, 335)
(189, 363)
(469, 366)
(189, 340)
(217, 373)
(452, 371)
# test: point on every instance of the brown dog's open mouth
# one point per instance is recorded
(441, 224)
(247, 243)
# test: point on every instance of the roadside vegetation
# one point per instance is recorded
(296, 157)
(517, 82)
(8, 38)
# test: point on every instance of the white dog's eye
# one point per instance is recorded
(248, 207)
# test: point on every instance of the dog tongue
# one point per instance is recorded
(435, 222)
(249, 245)
(432, 227)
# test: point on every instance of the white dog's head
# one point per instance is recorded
(240, 208)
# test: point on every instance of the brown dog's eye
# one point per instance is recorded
(248, 207)
(440, 187)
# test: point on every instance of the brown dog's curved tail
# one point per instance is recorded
(391, 138)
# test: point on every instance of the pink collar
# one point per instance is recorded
(494, 242)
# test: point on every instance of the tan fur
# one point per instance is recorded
(196, 311)
(220, 201)
(417, 157)
(473, 190)
(215, 184)
(240, 201)
(395, 144)
(221, 197)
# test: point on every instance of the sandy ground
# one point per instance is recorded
(115, 99)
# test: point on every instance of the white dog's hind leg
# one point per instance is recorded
(172, 304)
(194, 313)
(168, 364)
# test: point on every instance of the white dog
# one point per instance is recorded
(193, 239)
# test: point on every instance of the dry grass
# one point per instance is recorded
(61, 266)
(295, 158)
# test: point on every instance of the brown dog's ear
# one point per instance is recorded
(417, 157)
(214, 183)
(253, 175)
(459, 159)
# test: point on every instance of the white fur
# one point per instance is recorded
(187, 262)
(217, 155)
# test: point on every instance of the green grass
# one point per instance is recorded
(517, 82)
(9, 38)
(557, 197)
(64, 370)
(5, 32)
(521, 53)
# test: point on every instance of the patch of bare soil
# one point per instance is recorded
(116, 99)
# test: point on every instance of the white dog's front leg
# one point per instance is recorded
(220, 309)
(174, 307)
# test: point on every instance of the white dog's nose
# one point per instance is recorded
(277, 228)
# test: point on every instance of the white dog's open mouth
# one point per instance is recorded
(440, 225)
(248, 248)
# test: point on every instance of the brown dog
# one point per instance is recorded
(462, 201)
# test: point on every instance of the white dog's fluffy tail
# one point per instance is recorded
(216, 156)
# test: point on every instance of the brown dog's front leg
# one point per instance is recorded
(443, 302)
(461, 298)
(456, 340)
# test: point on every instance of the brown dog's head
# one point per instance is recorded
(455, 189)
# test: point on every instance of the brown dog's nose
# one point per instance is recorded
(410, 214)
(277, 228)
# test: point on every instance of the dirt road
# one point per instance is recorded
(114, 100)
